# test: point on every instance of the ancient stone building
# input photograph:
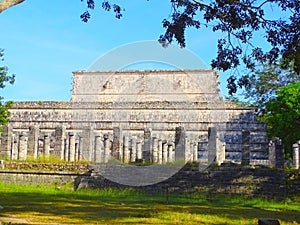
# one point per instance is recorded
(155, 116)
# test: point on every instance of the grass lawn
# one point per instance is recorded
(52, 205)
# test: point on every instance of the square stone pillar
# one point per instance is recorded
(212, 146)
(6, 142)
(147, 153)
(180, 144)
(22, 155)
(60, 139)
(276, 153)
(107, 148)
(87, 144)
(160, 151)
(71, 157)
(33, 139)
(98, 149)
(15, 147)
(216, 147)
(155, 150)
(46, 145)
(245, 147)
(296, 155)
(165, 152)
(133, 150)
(195, 152)
(77, 150)
(171, 156)
(139, 151)
(126, 151)
(117, 151)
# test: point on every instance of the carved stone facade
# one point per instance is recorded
(132, 116)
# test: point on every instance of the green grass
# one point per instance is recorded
(62, 205)
(46, 159)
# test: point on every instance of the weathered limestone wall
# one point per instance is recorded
(132, 101)
(140, 146)
(257, 182)
(37, 177)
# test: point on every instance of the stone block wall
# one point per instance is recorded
(133, 101)
(258, 182)
(101, 146)
(224, 180)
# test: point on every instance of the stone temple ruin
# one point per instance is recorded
(154, 116)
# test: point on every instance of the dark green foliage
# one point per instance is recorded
(275, 93)
(240, 20)
(283, 115)
(265, 82)
(4, 78)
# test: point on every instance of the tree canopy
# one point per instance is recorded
(240, 20)
(283, 115)
(4, 79)
(264, 83)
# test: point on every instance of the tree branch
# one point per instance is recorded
(5, 4)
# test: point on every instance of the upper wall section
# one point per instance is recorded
(145, 86)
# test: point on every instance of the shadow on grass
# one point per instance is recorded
(81, 207)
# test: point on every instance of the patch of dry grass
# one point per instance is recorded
(50, 205)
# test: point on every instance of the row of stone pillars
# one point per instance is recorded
(296, 155)
(23, 145)
(132, 151)
(69, 146)
(150, 149)
(216, 150)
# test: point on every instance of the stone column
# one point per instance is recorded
(117, 143)
(126, 151)
(147, 153)
(170, 153)
(195, 152)
(220, 150)
(15, 148)
(22, 147)
(133, 150)
(216, 149)
(139, 151)
(296, 155)
(188, 157)
(59, 147)
(77, 152)
(71, 147)
(97, 156)
(155, 150)
(276, 153)
(160, 151)
(67, 148)
(46, 145)
(180, 144)
(212, 146)
(107, 148)
(87, 143)
(79, 147)
(245, 147)
(33, 139)
(164, 152)
(6, 142)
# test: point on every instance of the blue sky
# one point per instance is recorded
(45, 41)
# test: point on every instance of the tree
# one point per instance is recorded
(5, 4)
(4, 78)
(264, 84)
(239, 20)
(283, 115)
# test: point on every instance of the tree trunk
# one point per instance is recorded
(5, 4)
